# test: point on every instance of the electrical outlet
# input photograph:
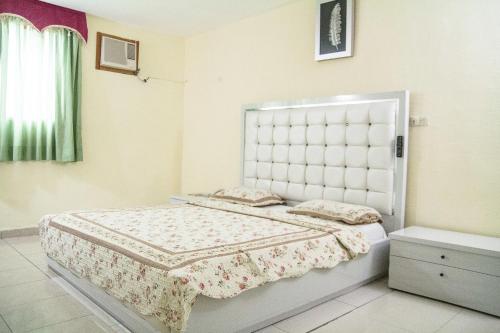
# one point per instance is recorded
(418, 121)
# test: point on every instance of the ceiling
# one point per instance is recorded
(177, 17)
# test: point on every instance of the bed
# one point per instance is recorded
(201, 265)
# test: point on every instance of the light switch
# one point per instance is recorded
(418, 121)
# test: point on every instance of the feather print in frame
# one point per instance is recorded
(334, 29)
(336, 26)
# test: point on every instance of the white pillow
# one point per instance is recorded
(337, 211)
(248, 196)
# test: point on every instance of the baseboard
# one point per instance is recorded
(18, 232)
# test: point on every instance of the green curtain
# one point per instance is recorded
(40, 93)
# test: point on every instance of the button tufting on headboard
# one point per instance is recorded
(343, 152)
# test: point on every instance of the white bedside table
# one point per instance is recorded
(454, 267)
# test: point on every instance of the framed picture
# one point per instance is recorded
(334, 29)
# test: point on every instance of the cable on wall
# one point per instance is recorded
(146, 79)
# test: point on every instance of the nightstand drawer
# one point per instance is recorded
(470, 289)
(464, 260)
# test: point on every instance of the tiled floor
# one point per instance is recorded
(34, 299)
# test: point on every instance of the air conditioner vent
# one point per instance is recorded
(131, 51)
(117, 54)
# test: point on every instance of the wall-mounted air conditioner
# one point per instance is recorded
(117, 54)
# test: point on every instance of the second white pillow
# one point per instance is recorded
(337, 211)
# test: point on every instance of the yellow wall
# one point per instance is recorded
(445, 52)
(131, 139)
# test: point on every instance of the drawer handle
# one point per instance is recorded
(442, 256)
(441, 274)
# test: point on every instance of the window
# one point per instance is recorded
(40, 88)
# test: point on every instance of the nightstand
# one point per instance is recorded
(458, 268)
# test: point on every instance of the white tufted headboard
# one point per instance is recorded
(350, 148)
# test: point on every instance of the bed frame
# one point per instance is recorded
(260, 307)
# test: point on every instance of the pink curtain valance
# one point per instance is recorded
(43, 15)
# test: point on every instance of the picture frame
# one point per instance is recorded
(334, 29)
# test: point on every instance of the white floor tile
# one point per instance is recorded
(6, 250)
(79, 325)
(20, 275)
(13, 261)
(43, 313)
(119, 329)
(95, 310)
(30, 292)
(34, 303)
(366, 293)
(355, 323)
(309, 320)
(3, 326)
(471, 321)
(270, 329)
(39, 260)
(104, 326)
(25, 245)
(410, 312)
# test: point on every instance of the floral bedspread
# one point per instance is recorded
(160, 258)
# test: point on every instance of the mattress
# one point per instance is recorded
(373, 232)
(159, 259)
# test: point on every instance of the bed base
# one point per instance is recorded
(255, 308)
